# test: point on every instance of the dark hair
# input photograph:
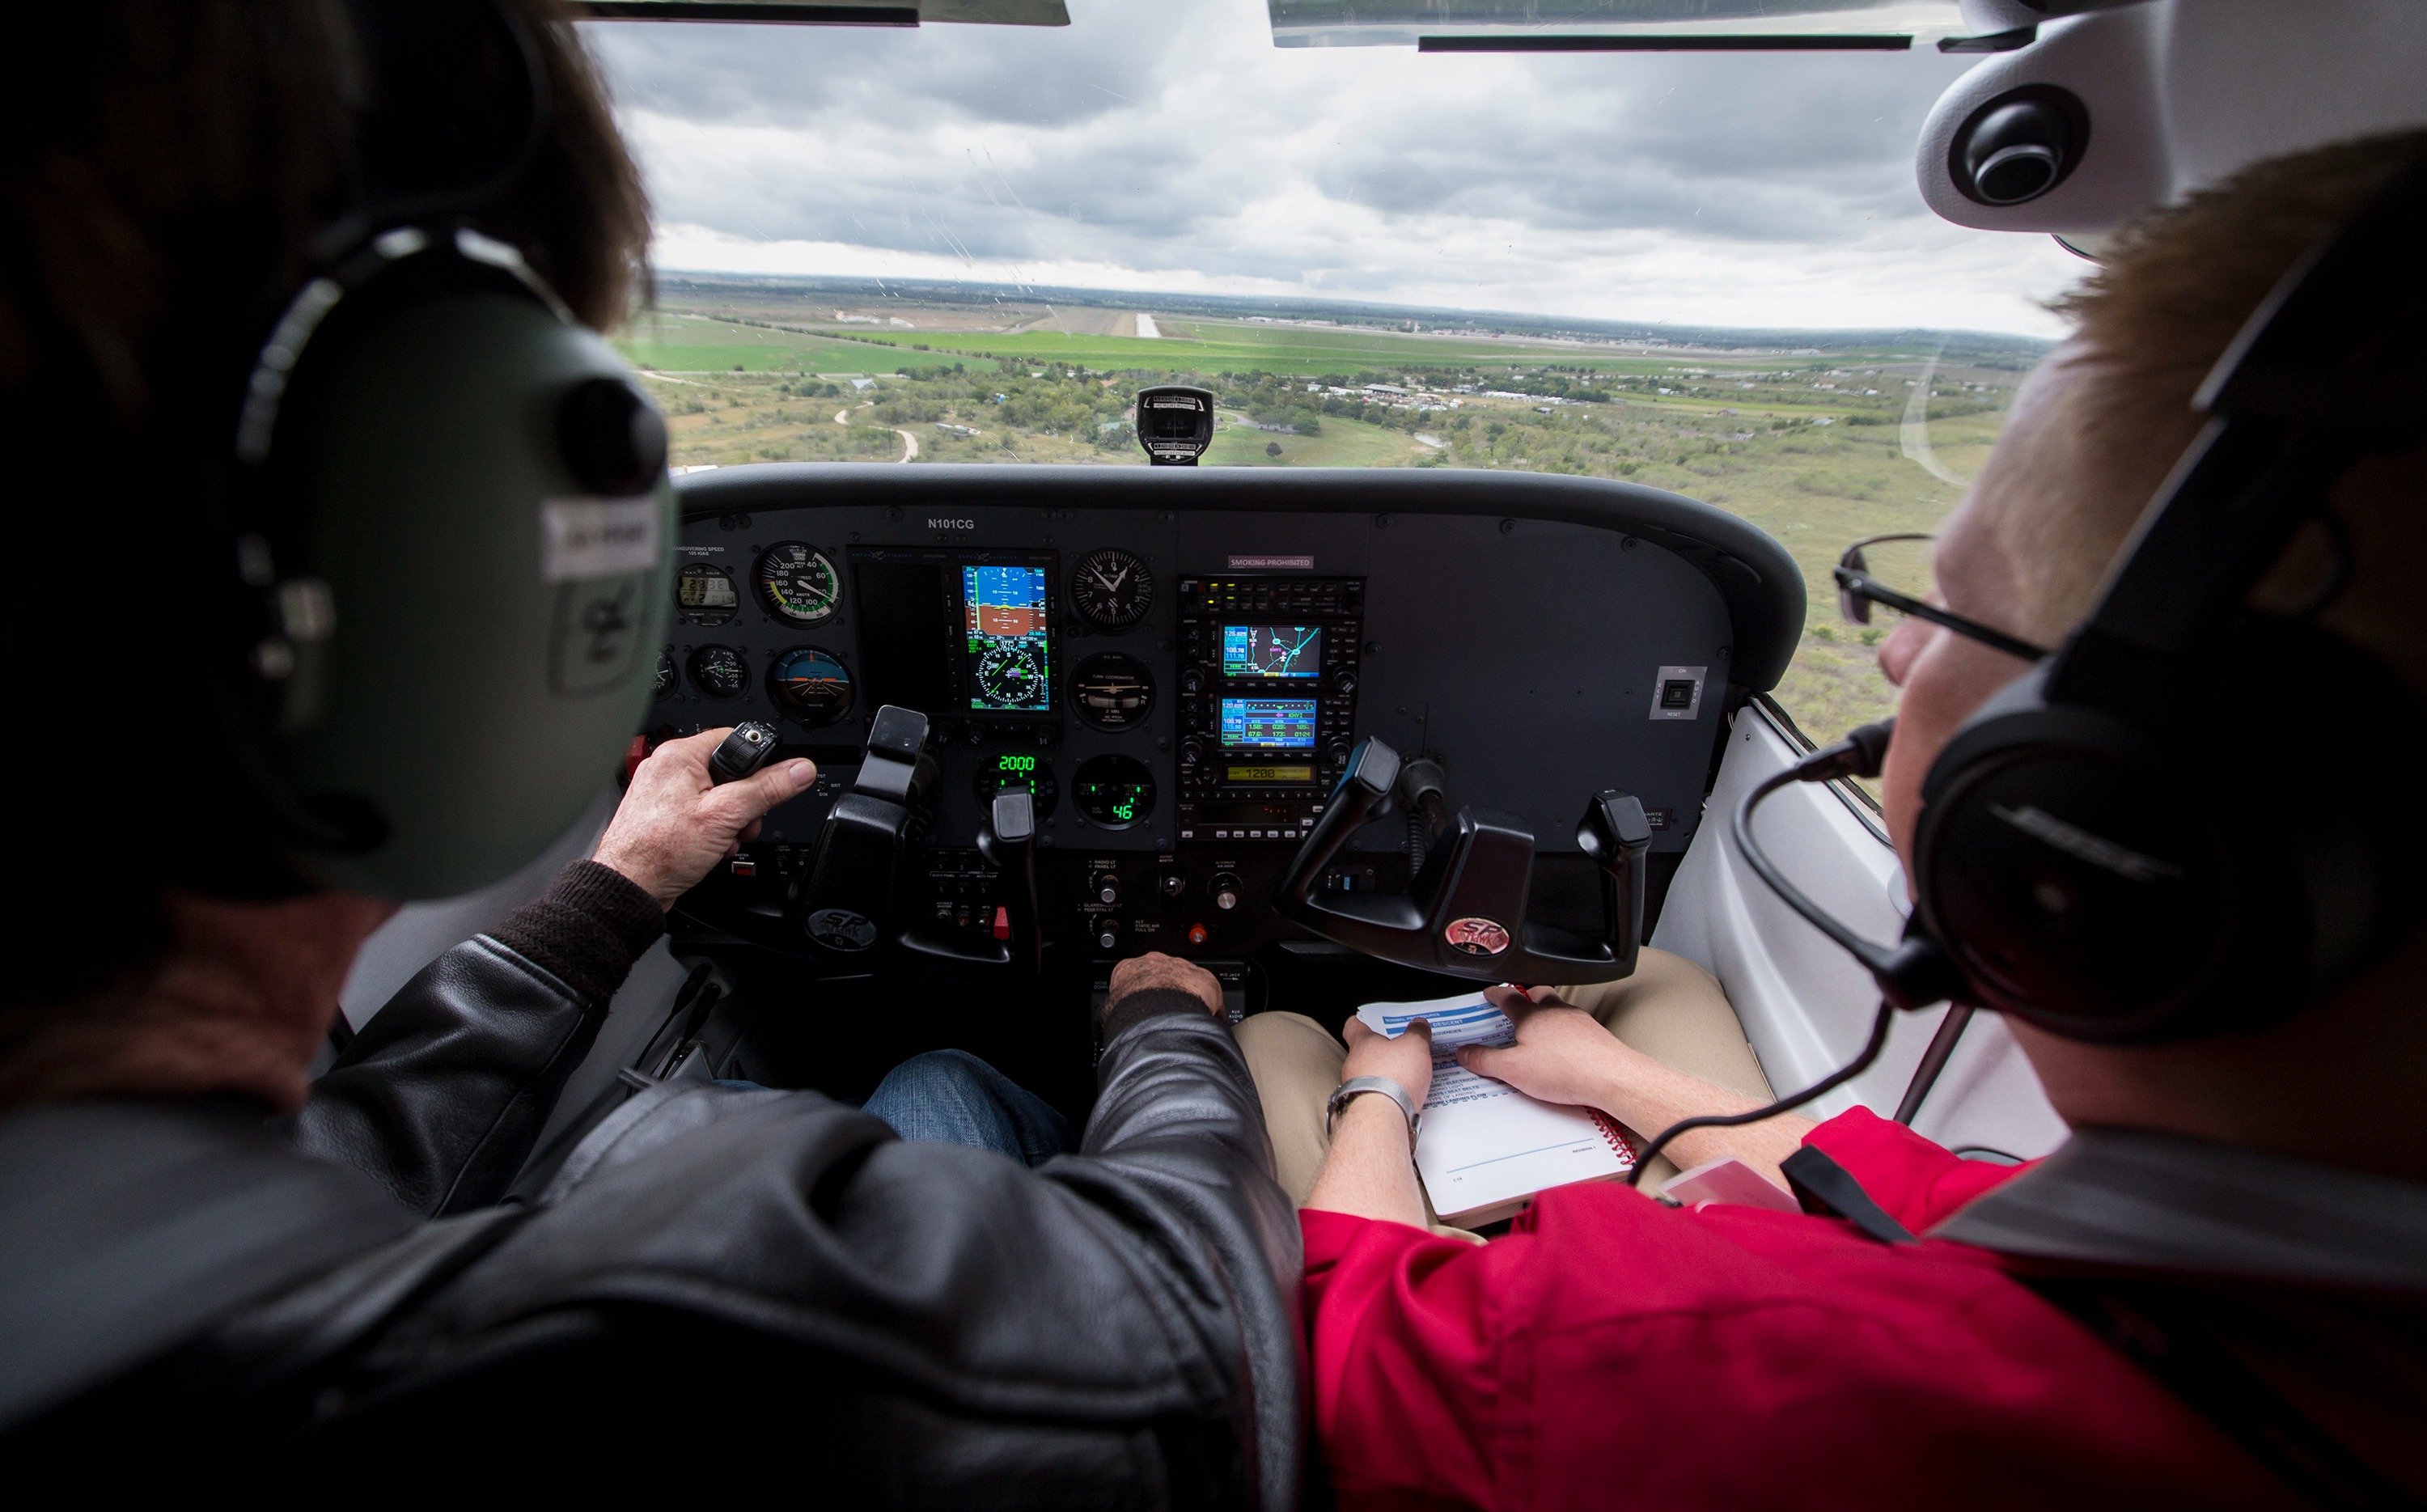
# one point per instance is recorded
(163, 166)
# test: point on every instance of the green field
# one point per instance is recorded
(677, 342)
(1340, 444)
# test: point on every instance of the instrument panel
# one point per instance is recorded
(1177, 664)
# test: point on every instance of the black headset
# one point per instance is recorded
(2194, 818)
(445, 514)
(2197, 817)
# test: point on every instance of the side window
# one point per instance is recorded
(1896, 467)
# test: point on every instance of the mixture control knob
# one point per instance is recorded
(1108, 933)
(1107, 887)
(1192, 680)
(1226, 892)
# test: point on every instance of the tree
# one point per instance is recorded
(1272, 448)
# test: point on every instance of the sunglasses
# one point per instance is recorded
(1857, 590)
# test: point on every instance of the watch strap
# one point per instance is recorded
(1358, 1085)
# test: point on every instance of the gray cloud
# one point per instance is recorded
(1175, 139)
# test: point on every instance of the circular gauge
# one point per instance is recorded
(719, 671)
(1112, 589)
(1115, 791)
(1017, 769)
(669, 675)
(810, 686)
(798, 583)
(705, 594)
(1112, 692)
(1011, 674)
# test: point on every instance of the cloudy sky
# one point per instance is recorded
(1167, 144)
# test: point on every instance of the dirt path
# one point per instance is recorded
(912, 443)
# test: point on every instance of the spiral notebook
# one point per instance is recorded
(1483, 1148)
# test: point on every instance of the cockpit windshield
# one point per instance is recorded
(1704, 272)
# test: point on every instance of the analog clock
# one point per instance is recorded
(1112, 589)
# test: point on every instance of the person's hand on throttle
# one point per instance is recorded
(1155, 971)
(675, 825)
(1406, 1060)
(1562, 1054)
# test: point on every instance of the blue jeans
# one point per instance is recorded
(954, 1097)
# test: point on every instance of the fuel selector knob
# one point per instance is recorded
(1226, 890)
(1106, 887)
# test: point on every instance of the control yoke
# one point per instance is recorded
(1464, 914)
(851, 901)
(848, 901)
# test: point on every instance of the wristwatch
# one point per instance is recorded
(1358, 1085)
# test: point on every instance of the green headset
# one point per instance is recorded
(446, 520)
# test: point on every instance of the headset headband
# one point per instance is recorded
(2320, 375)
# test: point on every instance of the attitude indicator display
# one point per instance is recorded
(1268, 724)
(1005, 621)
(1272, 651)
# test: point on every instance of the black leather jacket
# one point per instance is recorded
(718, 1276)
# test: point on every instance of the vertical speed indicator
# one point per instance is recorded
(797, 583)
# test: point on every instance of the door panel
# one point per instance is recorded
(1805, 1005)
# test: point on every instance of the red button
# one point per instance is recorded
(1002, 923)
(634, 754)
(1195, 934)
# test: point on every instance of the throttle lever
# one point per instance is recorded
(1008, 841)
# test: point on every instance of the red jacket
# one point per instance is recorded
(1611, 1352)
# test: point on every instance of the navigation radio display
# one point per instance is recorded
(1272, 651)
(1268, 724)
(1004, 614)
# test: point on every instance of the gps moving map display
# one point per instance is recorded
(1272, 651)
(1268, 724)
(1004, 614)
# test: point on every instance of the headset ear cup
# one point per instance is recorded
(2162, 877)
(2075, 875)
(492, 624)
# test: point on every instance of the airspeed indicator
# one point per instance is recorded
(797, 583)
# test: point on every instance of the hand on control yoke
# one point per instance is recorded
(676, 823)
(1406, 1060)
(1156, 972)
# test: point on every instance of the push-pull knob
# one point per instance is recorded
(1107, 887)
(1226, 892)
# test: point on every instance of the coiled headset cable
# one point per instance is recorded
(1912, 974)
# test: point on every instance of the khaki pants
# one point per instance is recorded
(1670, 1009)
